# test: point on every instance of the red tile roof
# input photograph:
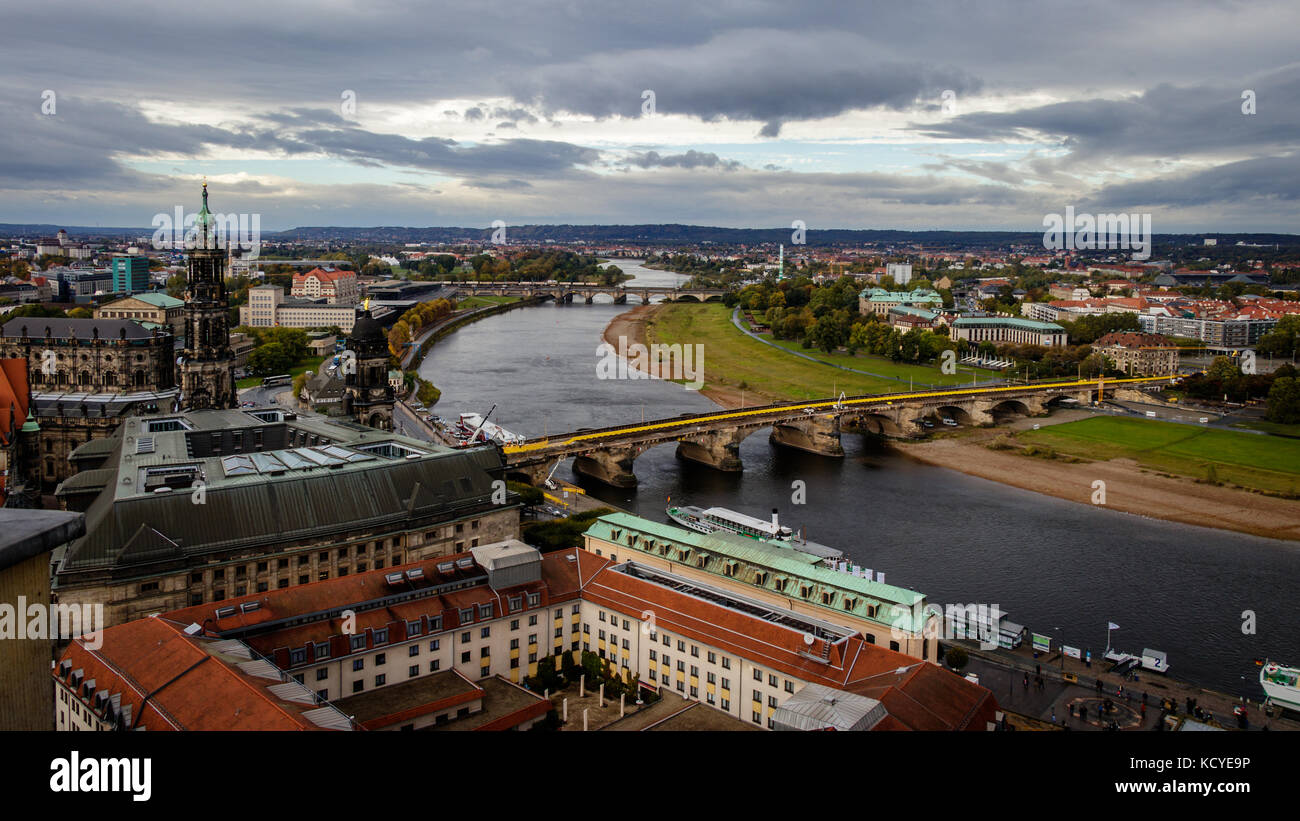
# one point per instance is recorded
(171, 681)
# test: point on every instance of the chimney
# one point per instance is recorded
(775, 523)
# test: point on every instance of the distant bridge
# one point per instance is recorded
(713, 439)
(566, 291)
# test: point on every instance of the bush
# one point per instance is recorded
(957, 657)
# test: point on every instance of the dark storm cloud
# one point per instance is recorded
(1275, 179)
(772, 77)
(690, 159)
(1165, 122)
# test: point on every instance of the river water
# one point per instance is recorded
(1046, 562)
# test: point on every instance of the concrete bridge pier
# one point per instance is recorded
(815, 434)
(645, 298)
(588, 297)
(534, 475)
(612, 465)
(719, 449)
(621, 299)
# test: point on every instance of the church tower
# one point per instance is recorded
(366, 392)
(207, 365)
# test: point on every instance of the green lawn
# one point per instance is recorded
(1276, 428)
(730, 358)
(1261, 462)
(311, 363)
(484, 301)
(922, 375)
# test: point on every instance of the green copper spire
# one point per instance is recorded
(30, 425)
(204, 219)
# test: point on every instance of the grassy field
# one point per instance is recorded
(1275, 428)
(484, 301)
(922, 375)
(311, 363)
(1267, 463)
(731, 358)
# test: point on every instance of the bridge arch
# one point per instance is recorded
(877, 423)
(1008, 407)
(955, 413)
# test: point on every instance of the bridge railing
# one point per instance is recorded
(820, 404)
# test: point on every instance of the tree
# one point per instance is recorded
(80, 313)
(957, 657)
(271, 358)
(1284, 401)
(1283, 340)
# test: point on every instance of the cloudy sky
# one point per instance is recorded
(915, 115)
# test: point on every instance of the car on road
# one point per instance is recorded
(927, 423)
(952, 423)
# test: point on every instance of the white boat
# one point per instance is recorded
(715, 519)
(479, 429)
(1281, 684)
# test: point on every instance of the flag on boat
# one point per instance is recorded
(1112, 626)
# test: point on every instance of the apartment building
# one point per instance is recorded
(267, 307)
(335, 286)
(1139, 354)
(1007, 329)
(778, 575)
(413, 646)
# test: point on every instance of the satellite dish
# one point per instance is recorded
(808, 639)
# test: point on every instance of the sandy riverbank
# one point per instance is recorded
(1129, 488)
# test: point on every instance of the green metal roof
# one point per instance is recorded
(159, 299)
(1011, 321)
(765, 565)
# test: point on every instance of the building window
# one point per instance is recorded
(358, 686)
(514, 644)
(758, 675)
(771, 680)
(322, 673)
(413, 671)
(414, 650)
(726, 663)
(713, 658)
(464, 637)
(381, 658)
(485, 632)
(434, 645)
(789, 686)
(381, 636)
(464, 657)
(433, 666)
(380, 679)
(358, 665)
(514, 624)
(298, 656)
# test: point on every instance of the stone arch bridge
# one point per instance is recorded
(564, 292)
(713, 439)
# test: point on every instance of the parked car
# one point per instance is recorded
(952, 423)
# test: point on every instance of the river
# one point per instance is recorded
(1047, 562)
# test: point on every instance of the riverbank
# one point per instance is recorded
(633, 328)
(1128, 487)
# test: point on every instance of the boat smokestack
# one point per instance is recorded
(775, 524)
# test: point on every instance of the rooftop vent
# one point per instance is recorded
(225, 612)
(193, 630)
(416, 574)
(250, 606)
(465, 563)
(446, 567)
(393, 578)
